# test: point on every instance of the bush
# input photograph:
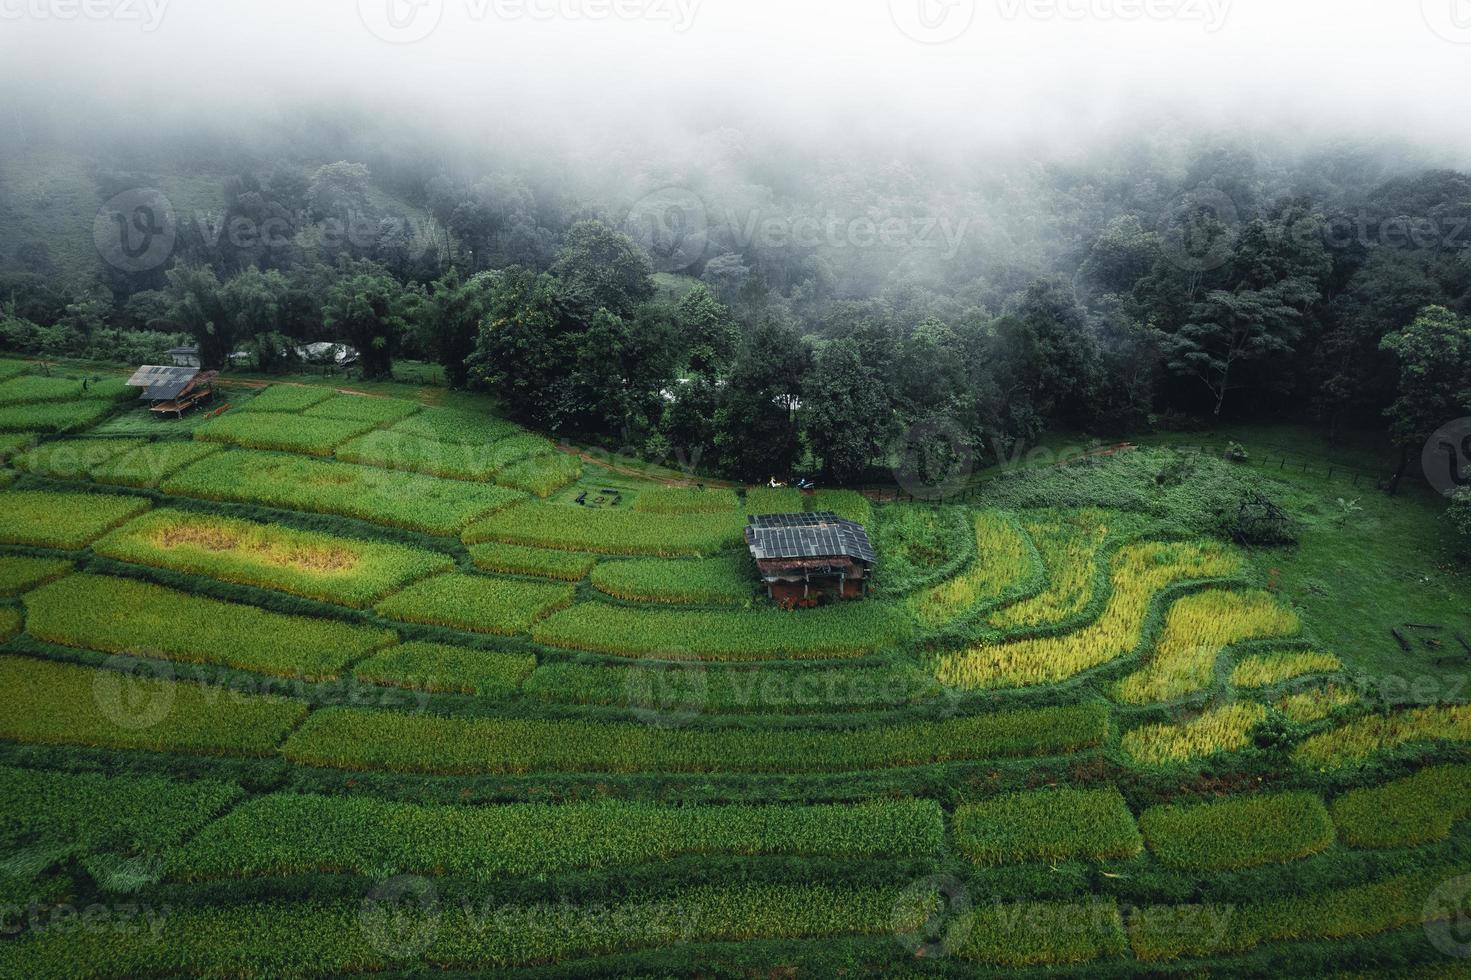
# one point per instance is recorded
(362, 408)
(919, 546)
(569, 566)
(609, 532)
(726, 581)
(19, 574)
(1005, 563)
(1267, 669)
(62, 520)
(1359, 739)
(686, 500)
(421, 503)
(290, 834)
(1047, 825)
(1140, 572)
(1196, 629)
(348, 571)
(349, 738)
(1226, 729)
(117, 615)
(479, 603)
(1458, 515)
(842, 630)
(286, 398)
(276, 430)
(1415, 810)
(62, 704)
(441, 668)
(1238, 833)
(541, 475)
(151, 464)
(72, 459)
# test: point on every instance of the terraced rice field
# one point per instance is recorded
(360, 703)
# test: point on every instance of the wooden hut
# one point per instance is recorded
(806, 557)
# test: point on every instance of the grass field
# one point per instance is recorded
(360, 688)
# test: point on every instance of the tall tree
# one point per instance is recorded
(1434, 356)
(847, 418)
(367, 308)
(197, 306)
(755, 426)
(603, 269)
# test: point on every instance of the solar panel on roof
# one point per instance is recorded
(817, 534)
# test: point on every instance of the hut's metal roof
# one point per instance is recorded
(818, 534)
(162, 382)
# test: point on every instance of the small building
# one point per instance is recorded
(173, 390)
(184, 356)
(806, 557)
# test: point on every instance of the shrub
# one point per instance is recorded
(1315, 704)
(151, 464)
(29, 388)
(77, 813)
(1359, 739)
(117, 615)
(421, 503)
(442, 668)
(62, 520)
(1238, 833)
(1004, 563)
(276, 430)
(1219, 730)
(286, 398)
(848, 504)
(362, 408)
(455, 426)
(351, 738)
(306, 563)
(515, 559)
(541, 475)
(62, 704)
(72, 459)
(1196, 629)
(64, 416)
(843, 630)
(1037, 933)
(295, 834)
(726, 581)
(773, 500)
(1415, 810)
(609, 532)
(681, 690)
(1047, 825)
(1140, 572)
(1069, 549)
(1267, 669)
(479, 603)
(19, 574)
(686, 500)
(919, 546)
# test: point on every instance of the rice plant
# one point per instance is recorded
(685, 500)
(1223, 835)
(1047, 825)
(1225, 729)
(62, 520)
(1069, 548)
(1414, 810)
(608, 532)
(442, 668)
(20, 574)
(1364, 737)
(72, 459)
(723, 581)
(1268, 669)
(1004, 562)
(480, 603)
(281, 431)
(515, 559)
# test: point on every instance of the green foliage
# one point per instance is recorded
(421, 503)
(1223, 729)
(61, 704)
(609, 532)
(845, 503)
(62, 520)
(1458, 516)
(350, 738)
(361, 408)
(283, 834)
(843, 630)
(30, 388)
(441, 668)
(10, 368)
(1364, 737)
(724, 581)
(773, 500)
(277, 430)
(457, 427)
(1414, 810)
(287, 398)
(515, 559)
(1266, 669)
(65, 416)
(151, 464)
(686, 500)
(1047, 825)
(1238, 833)
(1005, 563)
(10, 623)
(19, 574)
(480, 603)
(72, 459)
(306, 563)
(117, 615)
(399, 451)
(14, 443)
(1036, 933)
(919, 546)
(541, 475)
